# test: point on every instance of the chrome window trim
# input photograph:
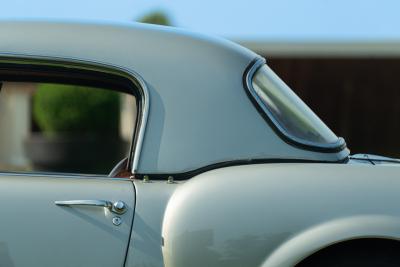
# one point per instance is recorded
(143, 123)
(134, 77)
(339, 145)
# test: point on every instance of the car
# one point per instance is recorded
(224, 164)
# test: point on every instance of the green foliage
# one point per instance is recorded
(158, 17)
(75, 109)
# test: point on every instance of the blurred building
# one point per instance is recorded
(353, 87)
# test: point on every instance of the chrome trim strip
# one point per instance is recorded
(100, 67)
(339, 145)
(145, 113)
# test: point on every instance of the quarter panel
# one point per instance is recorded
(239, 216)
(146, 240)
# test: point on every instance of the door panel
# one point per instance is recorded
(36, 232)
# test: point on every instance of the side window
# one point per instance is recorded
(64, 128)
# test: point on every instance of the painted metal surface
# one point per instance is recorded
(274, 215)
(36, 232)
(146, 240)
(198, 104)
(265, 215)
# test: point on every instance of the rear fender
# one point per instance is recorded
(323, 235)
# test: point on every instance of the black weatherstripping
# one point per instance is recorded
(189, 174)
(332, 148)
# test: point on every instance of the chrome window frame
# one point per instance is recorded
(100, 67)
(254, 66)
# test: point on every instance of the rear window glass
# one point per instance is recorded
(288, 112)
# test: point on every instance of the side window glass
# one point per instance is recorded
(50, 127)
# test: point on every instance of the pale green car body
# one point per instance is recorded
(243, 194)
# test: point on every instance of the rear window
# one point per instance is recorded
(288, 112)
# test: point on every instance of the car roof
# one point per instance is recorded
(199, 113)
(104, 39)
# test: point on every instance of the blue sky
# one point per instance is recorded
(298, 20)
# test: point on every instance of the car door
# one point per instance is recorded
(51, 213)
(34, 231)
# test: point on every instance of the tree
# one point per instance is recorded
(157, 17)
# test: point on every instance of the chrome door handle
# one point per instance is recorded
(98, 203)
(118, 207)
